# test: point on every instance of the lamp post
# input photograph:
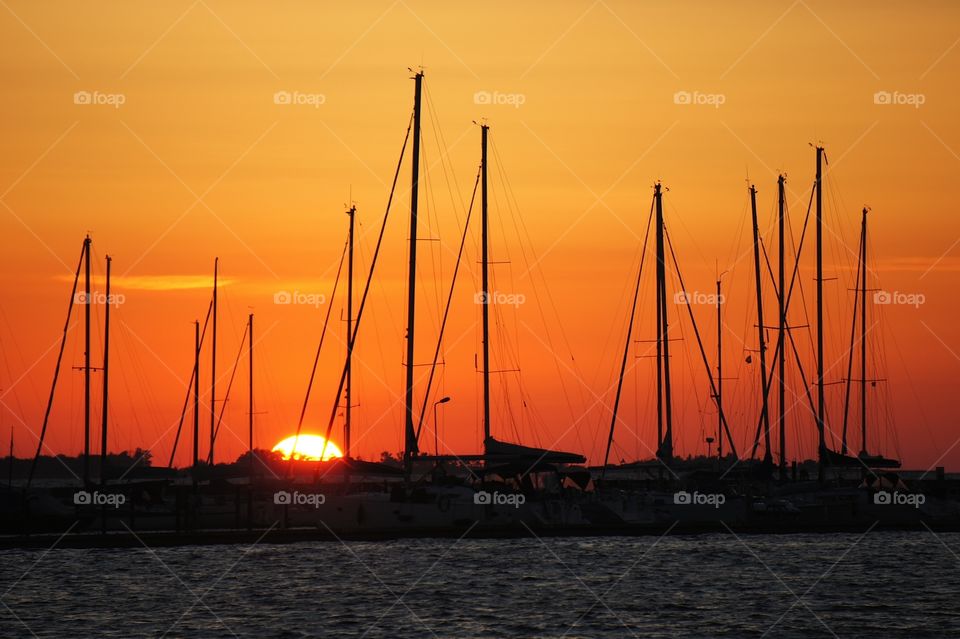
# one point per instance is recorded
(436, 437)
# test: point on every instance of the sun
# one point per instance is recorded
(307, 447)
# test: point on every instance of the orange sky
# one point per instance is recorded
(200, 161)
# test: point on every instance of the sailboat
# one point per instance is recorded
(435, 492)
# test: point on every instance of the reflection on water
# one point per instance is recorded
(883, 585)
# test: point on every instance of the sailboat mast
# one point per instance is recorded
(782, 327)
(764, 414)
(863, 336)
(213, 363)
(349, 382)
(86, 366)
(106, 385)
(196, 398)
(663, 342)
(410, 438)
(485, 262)
(821, 442)
(719, 374)
(250, 394)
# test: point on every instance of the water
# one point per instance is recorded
(877, 585)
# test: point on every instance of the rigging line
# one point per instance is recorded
(508, 350)
(361, 250)
(186, 400)
(363, 299)
(13, 382)
(626, 347)
(703, 353)
(537, 263)
(806, 386)
(323, 334)
(226, 397)
(446, 310)
(510, 195)
(429, 214)
(776, 352)
(444, 156)
(696, 393)
(853, 333)
(56, 370)
(529, 415)
(793, 280)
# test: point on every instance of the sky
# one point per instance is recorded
(176, 133)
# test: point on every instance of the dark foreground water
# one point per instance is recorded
(876, 585)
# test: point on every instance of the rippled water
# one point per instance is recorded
(880, 585)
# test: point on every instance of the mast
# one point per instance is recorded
(664, 404)
(410, 438)
(863, 336)
(485, 261)
(86, 366)
(250, 465)
(56, 370)
(213, 363)
(719, 375)
(250, 394)
(196, 398)
(764, 414)
(626, 354)
(821, 442)
(106, 385)
(349, 383)
(782, 327)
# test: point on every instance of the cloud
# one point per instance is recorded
(156, 282)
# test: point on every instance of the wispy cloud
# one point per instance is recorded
(156, 282)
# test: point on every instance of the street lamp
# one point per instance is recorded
(436, 438)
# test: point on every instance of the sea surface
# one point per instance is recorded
(879, 584)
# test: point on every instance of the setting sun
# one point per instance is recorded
(307, 447)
